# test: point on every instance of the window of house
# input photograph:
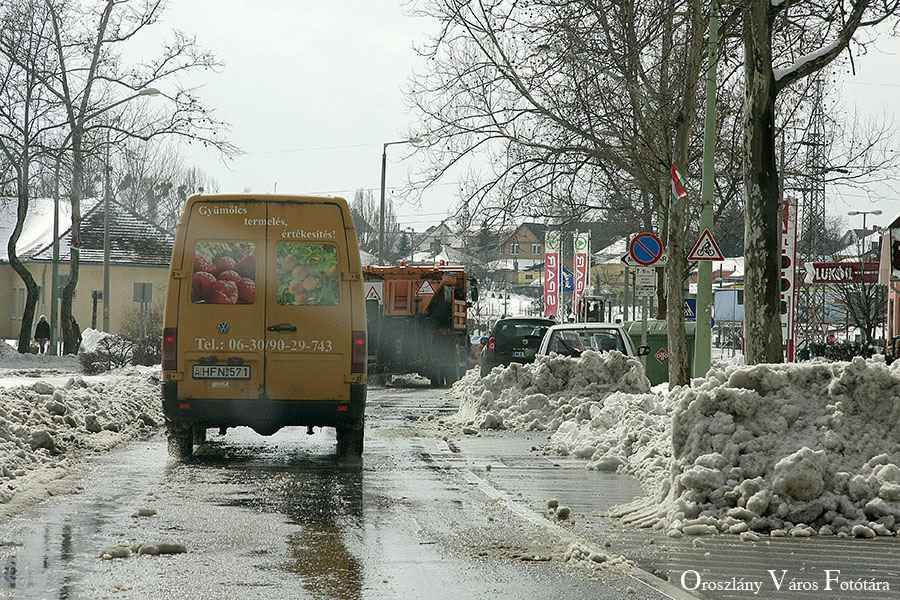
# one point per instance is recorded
(535, 248)
(513, 248)
(740, 297)
(528, 276)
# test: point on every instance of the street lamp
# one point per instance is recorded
(853, 213)
(413, 140)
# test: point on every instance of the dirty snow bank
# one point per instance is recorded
(788, 449)
(11, 358)
(44, 429)
(543, 395)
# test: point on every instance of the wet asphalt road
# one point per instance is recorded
(279, 517)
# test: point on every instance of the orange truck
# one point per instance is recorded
(417, 320)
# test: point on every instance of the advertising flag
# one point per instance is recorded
(582, 266)
(551, 274)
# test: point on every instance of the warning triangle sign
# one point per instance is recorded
(425, 290)
(706, 248)
(373, 294)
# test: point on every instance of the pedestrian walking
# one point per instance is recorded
(42, 334)
(76, 333)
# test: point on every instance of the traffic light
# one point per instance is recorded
(787, 281)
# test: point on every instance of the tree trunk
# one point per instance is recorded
(31, 287)
(679, 371)
(762, 232)
(70, 344)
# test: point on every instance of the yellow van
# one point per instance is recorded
(265, 322)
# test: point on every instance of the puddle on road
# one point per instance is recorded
(321, 495)
(49, 556)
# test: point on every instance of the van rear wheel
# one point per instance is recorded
(180, 440)
(350, 441)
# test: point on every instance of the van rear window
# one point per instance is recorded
(307, 274)
(224, 273)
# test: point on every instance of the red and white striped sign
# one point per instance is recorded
(582, 264)
(551, 274)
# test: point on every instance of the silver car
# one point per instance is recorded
(571, 339)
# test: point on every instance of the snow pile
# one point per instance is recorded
(624, 433)
(789, 449)
(44, 427)
(545, 394)
(90, 338)
(10, 358)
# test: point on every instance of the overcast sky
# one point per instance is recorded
(313, 89)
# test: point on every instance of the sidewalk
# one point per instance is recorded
(716, 567)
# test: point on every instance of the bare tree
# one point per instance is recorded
(24, 109)
(100, 95)
(152, 180)
(783, 43)
(366, 211)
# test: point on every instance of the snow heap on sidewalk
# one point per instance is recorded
(11, 358)
(44, 427)
(800, 449)
(543, 395)
(794, 449)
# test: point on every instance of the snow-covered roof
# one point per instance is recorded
(132, 239)
(38, 228)
(612, 253)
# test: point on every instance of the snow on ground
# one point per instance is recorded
(542, 395)
(50, 417)
(798, 449)
(11, 359)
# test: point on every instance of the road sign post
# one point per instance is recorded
(644, 251)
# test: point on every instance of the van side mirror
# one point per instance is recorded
(643, 350)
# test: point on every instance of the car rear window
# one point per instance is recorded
(512, 330)
(565, 341)
(307, 274)
(224, 273)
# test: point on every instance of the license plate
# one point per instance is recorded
(221, 372)
(520, 354)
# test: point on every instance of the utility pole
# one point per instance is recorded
(703, 332)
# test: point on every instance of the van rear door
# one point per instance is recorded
(220, 321)
(308, 303)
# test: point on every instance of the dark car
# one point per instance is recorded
(515, 339)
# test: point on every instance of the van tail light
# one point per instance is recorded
(358, 354)
(492, 345)
(170, 345)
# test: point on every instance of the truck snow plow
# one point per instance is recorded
(417, 320)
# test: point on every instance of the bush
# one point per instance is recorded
(842, 352)
(112, 352)
(147, 350)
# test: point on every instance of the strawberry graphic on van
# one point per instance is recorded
(224, 273)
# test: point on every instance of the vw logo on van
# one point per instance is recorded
(223, 327)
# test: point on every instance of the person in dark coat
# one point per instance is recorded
(42, 334)
(76, 333)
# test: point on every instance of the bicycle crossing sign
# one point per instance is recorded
(706, 248)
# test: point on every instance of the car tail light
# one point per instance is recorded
(358, 354)
(492, 345)
(170, 345)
